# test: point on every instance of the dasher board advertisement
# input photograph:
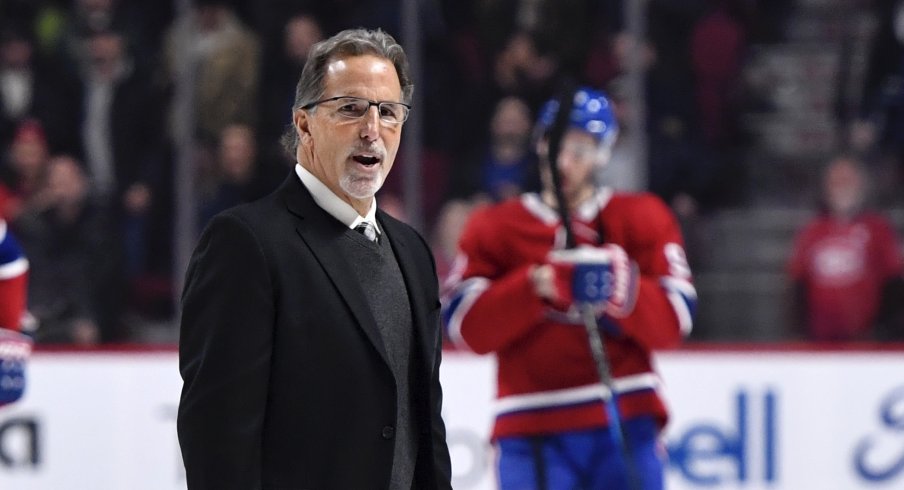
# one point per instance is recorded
(777, 418)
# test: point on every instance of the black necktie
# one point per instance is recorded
(367, 230)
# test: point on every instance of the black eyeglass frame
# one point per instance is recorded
(370, 103)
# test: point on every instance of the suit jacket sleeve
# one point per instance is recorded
(224, 357)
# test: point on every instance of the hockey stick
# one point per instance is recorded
(594, 337)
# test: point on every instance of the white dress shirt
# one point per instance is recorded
(332, 204)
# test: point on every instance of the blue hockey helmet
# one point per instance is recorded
(591, 112)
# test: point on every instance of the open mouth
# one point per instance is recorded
(366, 160)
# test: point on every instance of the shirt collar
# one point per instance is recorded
(585, 211)
(332, 204)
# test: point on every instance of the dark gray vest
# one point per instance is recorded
(378, 273)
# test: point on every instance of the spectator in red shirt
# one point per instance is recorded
(846, 262)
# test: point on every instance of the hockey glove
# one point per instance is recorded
(603, 277)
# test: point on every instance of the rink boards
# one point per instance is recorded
(777, 418)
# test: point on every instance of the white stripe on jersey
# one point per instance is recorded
(466, 294)
(575, 395)
(683, 296)
(14, 268)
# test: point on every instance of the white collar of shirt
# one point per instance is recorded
(330, 202)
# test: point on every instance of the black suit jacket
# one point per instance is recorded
(286, 382)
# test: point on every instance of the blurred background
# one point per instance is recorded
(124, 126)
(774, 129)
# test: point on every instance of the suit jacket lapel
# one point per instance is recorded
(320, 232)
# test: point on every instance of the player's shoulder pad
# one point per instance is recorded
(640, 206)
(490, 217)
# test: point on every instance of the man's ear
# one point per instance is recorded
(302, 125)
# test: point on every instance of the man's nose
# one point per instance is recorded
(370, 129)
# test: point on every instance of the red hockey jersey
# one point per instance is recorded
(844, 265)
(546, 379)
(13, 277)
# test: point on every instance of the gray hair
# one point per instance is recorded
(345, 44)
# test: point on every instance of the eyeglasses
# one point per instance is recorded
(391, 113)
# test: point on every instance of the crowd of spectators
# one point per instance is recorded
(88, 124)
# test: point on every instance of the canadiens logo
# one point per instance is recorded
(839, 262)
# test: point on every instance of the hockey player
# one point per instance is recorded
(510, 293)
(15, 347)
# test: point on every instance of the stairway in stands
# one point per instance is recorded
(797, 87)
(739, 259)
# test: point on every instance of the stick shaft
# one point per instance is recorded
(616, 427)
(595, 340)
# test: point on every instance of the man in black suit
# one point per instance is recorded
(310, 352)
